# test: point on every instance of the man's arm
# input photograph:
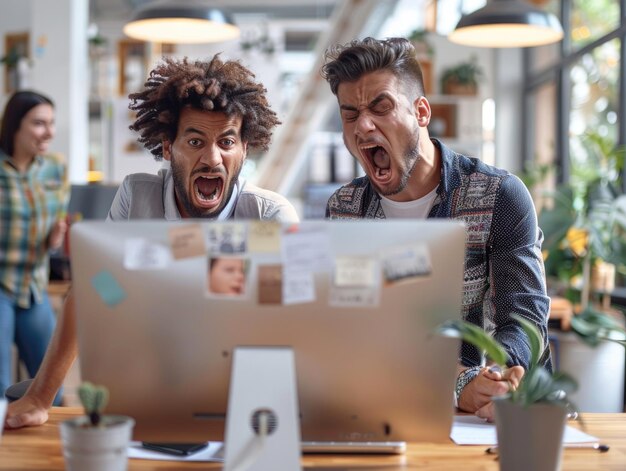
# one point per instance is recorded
(517, 286)
(32, 408)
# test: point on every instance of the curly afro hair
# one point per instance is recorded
(215, 85)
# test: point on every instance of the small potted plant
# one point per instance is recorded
(530, 420)
(462, 79)
(94, 441)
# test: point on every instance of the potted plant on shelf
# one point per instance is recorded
(530, 420)
(424, 52)
(462, 79)
(94, 441)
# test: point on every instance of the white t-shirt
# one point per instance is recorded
(416, 209)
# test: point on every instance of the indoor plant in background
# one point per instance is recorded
(585, 225)
(96, 442)
(462, 79)
(530, 421)
(425, 54)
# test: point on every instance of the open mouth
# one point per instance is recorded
(208, 190)
(379, 161)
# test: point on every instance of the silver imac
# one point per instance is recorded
(357, 301)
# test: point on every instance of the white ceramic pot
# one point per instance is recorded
(102, 448)
(529, 438)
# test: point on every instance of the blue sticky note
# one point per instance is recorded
(108, 288)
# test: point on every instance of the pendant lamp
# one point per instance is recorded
(507, 23)
(181, 21)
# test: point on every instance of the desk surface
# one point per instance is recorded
(39, 448)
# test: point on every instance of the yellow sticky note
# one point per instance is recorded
(264, 237)
(187, 241)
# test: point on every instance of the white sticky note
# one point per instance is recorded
(402, 263)
(354, 296)
(355, 271)
(309, 251)
(142, 254)
(298, 287)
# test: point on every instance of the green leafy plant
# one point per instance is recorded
(585, 223)
(419, 37)
(11, 58)
(593, 327)
(538, 385)
(94, 399)
(465, 73)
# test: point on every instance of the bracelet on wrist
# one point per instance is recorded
(463, 380)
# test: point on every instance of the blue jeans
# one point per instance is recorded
(31, 330)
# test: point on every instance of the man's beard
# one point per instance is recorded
(180, 186)
(411, 158)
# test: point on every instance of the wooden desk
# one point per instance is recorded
(39, 448)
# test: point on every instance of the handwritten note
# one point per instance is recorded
(355, 271)
(264, 237)
(298, 287)
(143, 254)
(187, 241)
(309, 251)
(354, 296)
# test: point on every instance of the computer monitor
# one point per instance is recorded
(357, 301)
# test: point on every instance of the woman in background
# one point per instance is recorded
(33, 197)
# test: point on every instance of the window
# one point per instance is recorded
(574, 90)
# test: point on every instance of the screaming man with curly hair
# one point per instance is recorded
(201, 116)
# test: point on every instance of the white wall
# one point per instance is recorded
(58, 43)
(14, 18)
(509, 95)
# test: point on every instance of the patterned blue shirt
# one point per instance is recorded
(504, 271)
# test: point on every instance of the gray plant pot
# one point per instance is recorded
(529, 438)
(101, 448)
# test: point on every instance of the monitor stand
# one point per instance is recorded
(262, 397)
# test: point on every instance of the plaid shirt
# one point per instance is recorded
(30, 203)
(504, 271)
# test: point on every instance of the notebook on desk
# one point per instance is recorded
(357, 302)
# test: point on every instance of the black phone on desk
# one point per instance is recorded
(178, 449)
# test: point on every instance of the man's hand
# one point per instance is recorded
(25, 412)
(476, 396)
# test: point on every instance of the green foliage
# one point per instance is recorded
(594, 326)
(476, 336)
(465, 73)
(537, 385)
(94, 399)
(11, 58)
(418, 37)
(592, 203)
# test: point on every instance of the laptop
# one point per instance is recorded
(357, 301)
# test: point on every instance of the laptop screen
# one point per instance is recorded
(162, 305)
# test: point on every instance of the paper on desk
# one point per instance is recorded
(214, 452)
(472, 430)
